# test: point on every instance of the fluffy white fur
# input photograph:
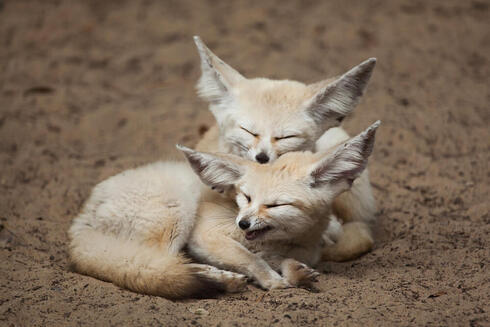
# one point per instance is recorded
(151, 194)
(286, 206)
(260, 118)
(132, 230)
(134, 225)
(273, 117)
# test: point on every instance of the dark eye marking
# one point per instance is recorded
(249, 132)
(277, 205)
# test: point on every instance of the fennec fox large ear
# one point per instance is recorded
(336, 99)
(346, 163)
(215, 170)
(217, 78)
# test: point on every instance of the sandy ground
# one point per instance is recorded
(90, 88)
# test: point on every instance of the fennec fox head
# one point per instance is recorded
(288, 197)
(261, 119)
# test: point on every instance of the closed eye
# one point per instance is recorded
(249, 132)
(268, 206)
(285, 137)
(247, 197)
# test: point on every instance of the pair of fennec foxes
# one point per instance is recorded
(273, 188)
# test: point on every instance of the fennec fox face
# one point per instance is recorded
(287, 198)
(261, 119)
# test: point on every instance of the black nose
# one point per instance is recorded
(262, 158)
(244, 224)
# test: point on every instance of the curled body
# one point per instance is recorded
(282, 210)
(135, 225)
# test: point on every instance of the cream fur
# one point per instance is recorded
(252, 113)
(132, 230)
(289, 203)
(261, 115)
(356, 206)
(134, 225)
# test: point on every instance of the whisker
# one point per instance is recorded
(239, 145)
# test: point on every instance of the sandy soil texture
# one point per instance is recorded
(90, 88)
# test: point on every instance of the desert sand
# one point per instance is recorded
(90, 88)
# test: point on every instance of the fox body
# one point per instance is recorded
(135, 225)
(262, 119)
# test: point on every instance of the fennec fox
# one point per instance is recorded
(261, 119)
(134, 226)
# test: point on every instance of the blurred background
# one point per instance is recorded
(89, 88)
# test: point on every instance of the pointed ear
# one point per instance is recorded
(214, 170)
(347, 162)
(334, 101)
(217, 78)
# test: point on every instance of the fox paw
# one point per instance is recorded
(274, 283)
(280, 284)
(234, 282)
(299, 274)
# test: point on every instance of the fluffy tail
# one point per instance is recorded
(140, 268)
(352, 241)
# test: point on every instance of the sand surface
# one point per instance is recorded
(90, 88)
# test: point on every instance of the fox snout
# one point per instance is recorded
(252, 227)
(262, 158)
(244, 224)
(244, 221)
(263, 152)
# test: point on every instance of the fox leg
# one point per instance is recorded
(224, 252)
(349, 242)
(356, 208)
(233, 282)
(297, 273)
